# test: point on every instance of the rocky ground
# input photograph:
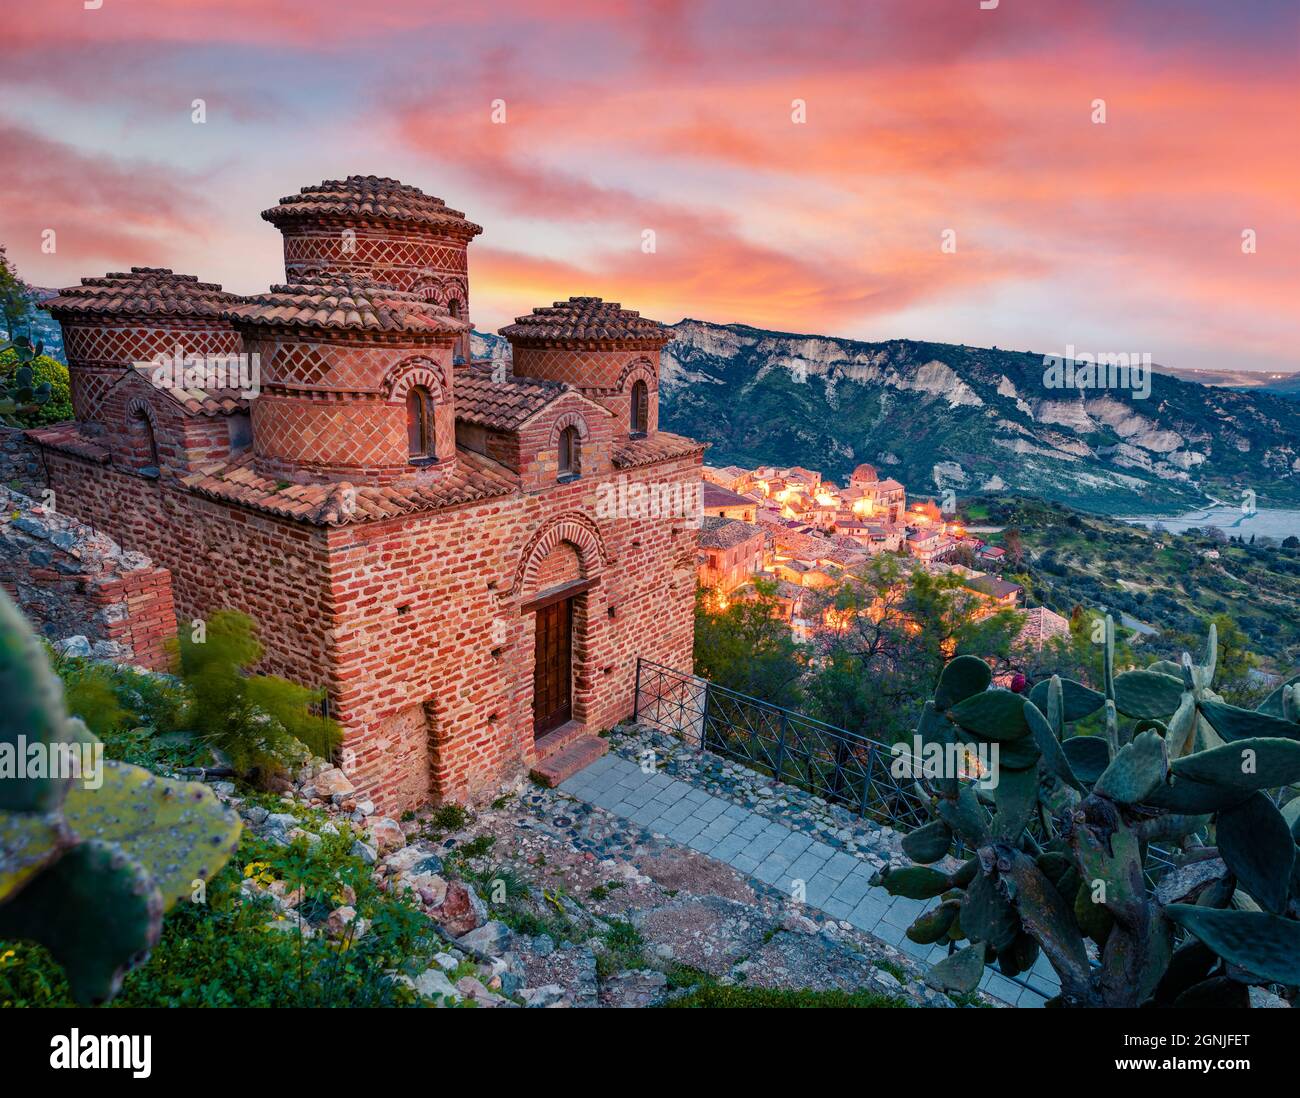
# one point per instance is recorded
(546, 901)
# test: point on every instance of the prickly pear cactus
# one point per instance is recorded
(89, 864)
(1056, 839)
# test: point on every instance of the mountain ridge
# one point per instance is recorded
(969, 418)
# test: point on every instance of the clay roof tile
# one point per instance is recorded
(370, 198)
(148, 291)
(586, 320)
(343, 303)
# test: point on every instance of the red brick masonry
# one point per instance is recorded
(403, 585)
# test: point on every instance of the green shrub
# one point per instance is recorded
(58, 408)
(261, 723)
(89, 693)
(221, 952)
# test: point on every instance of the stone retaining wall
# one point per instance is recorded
(81, 590)
(20, 462)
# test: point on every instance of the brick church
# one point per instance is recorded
(419, 533)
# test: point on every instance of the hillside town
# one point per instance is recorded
(800, 533)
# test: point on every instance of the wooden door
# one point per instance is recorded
(552, 670)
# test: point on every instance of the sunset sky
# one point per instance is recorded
(922, 116)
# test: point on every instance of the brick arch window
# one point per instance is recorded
(419, 423)
(640, 417)
(570, 452)
(146, 440)
(143, 440)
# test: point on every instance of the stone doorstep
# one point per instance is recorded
(555, 742)
(576, 755)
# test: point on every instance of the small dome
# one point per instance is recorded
(586, 320)
(865, 472)
(370, 198)
(346, 304)
(151, 291)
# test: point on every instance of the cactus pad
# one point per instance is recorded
(1255, 842)
(1136, 772)
(28, 841)
(1264, 944)
(960, 972)
(33, 712)
(962, 678)
(1246, 764)
(1147, 694)
(1080, 701)
(993, 715)
(178, 831)
(1234, 724)
(96, 911)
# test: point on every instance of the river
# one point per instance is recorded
(1272, 522)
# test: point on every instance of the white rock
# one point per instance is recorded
(434, 982)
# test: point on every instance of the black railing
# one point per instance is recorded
(840, 766)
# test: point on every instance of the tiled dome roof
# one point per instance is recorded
(344, 303)
(370, 198)
(586, 320)
(142, 290)
(865, 472)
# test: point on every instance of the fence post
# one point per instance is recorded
(636, 693)
(780, 745)
(866, 781)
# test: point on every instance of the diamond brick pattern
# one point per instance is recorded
(583, 369)
(90, 385)
(332, 433)
(370, 250)
(126, 344)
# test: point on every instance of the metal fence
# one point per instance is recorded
(840, 766)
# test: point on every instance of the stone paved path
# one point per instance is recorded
(835, 882)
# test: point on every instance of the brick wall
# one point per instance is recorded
(220, 557)
(415, 624)
(428, 615)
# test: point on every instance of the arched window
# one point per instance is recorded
(419, 423)
(570, 452)
(640, 408)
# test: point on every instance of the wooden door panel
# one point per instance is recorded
(552, 667)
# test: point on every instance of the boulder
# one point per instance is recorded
(331, 781)
(634, 988)
(492, 938)
(343, 921)
(548, 995)
(387, 834)
(433, 982)
(461, 910)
